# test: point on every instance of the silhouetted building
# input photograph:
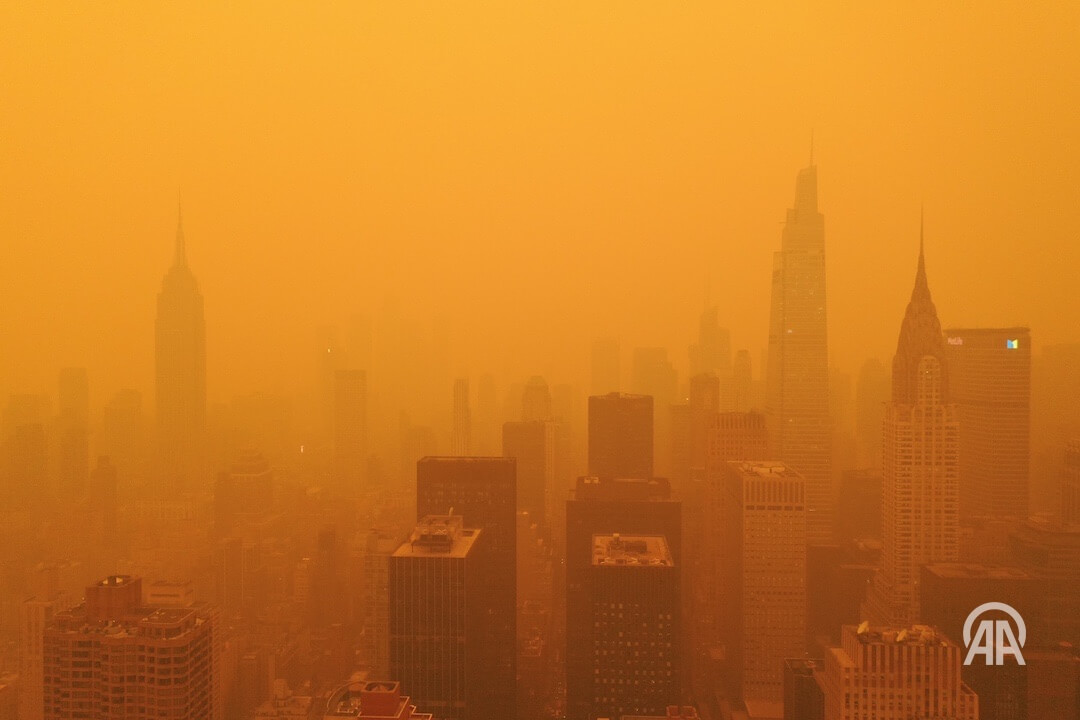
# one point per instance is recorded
(483, 491)
(605, 367)
(621, 436)
(950, 591)
(712, 351)
(350, 428)
(797, 397)
(123, 432)
(106, 658)
(655, 376)
(742, 381)
(536, 401)
(603, 507)
(803, 698)
(374, 602)
(858, 505)
(243, 494)
(461, 421)
(762, 574)
(871, 395)
(441, 602)
(180, 367)
(1053, 683)
(1051, 551)
(837, 577)
(73, 441)
(633, 626)
(921, 464)
(896, 674)
(990, 383)
(532, 445)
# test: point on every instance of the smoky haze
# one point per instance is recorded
(521, 179)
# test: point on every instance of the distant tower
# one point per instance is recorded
(797, 393)
(1070, 486)
(606, 375)
(741, 382)
(73, 428)
(712, 351)
(871, 395)
(180, 371)
(461, 430)
(920, 493)
(621, 436)
(536, 400)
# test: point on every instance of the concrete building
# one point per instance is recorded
(372, 700)
(621, 436)
(442, 615)
(890, 674)
(115, 657)
(634, 634)
(762, 575)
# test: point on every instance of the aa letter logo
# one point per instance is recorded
(994, 639)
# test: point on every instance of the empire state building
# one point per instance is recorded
(797, 384)
(180, 356)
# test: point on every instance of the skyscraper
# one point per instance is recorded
(881, 673)
(621, 436)
(1070, 485)
(532, 445)
(606, 375)
(440, 598)
(920, 495)
(180, 356)
(350, 428)
(990, 382)
(461, 422)
(762, 574)
(603, 506)
(483, 491)
(797, 393)
(712, 351)
(73, 429)
(634, 631)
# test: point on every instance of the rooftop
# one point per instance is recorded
(915, 635)
(764, 468)
(973, 571)
(439, 536)
(631, 550)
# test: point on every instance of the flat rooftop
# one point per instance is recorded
(631, 550)
(975, 571)
(763, 468)
(439, 536)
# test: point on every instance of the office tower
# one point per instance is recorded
(762, 575)
(734, 436)
(483, 491)
(104, 658)
(1070, 486)
(858, 505)
(803, 699)
(350, 428)
(123, 434)
(461, 429)
(921, 445)
(990, 383)
(621, 436)
(606, 375)
(655, 376)
(604, 506)
(374, 602)
(72, 426)
(532, 445)
(712, 351)
(879, 673)
(25, 450)
(485, 431)
(372, 700)
(243, 495)
(634, 635)
(741, 383)
(1055, 419)
(1053, 683)
(1051, 551)
(440, 599)
(871, 395)
(536, 401)
(797, 397)
(950, 591)
(180, 367)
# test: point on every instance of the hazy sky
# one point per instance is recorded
(535, 174)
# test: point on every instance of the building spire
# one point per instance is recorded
(922, 287)
(180, 257)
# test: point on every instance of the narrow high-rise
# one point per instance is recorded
(797, 382)
(921, 463)
(621, 436)
(180, 365)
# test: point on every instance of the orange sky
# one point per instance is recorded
(533, 174)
